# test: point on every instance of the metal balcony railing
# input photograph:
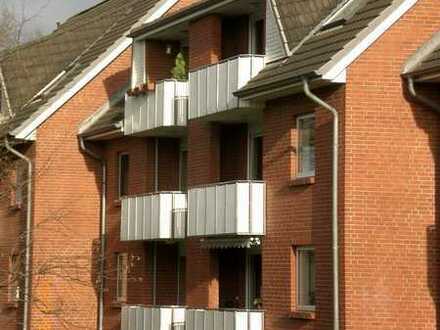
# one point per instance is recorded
(152, 318)
(226, 319)
(212, 87)
(227, 209)
(156, 216)
(156, 111)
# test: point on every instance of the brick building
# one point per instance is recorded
(198, 177)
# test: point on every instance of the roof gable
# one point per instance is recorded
(105, 27)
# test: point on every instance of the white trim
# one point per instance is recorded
(333, 70)
(25, 129)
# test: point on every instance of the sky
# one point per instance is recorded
(50, 11)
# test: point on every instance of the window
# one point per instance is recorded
(183, 170)
(306, 145)
(13, 281)
(121, 276)
(305, 277)
(123, 174)
(257, 158)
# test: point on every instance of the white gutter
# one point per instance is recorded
(335, 189)
(26, 297)
(103, 230)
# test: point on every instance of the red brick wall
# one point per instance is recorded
(205, 41)
(296, 215)
(158, 63)
(391, 186)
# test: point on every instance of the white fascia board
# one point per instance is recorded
(25, 130)
(332, 70)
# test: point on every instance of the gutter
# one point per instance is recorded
(103, 231)
(335, 190)
(28, 232)
(423, 99)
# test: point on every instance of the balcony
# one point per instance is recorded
(212, 88)
(152, 318)
(227, 209)
(152, 217)
(162, 112)
(203, 319)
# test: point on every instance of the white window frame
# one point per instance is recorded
(298, 251)
(120, 155)
(121, 277)
(300, 174)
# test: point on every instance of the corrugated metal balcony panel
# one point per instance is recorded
(200, 319)
(152, 318)
(228, 209)
(212, 87)
(166, 106)
(151, 217)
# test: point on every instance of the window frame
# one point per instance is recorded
(300, 174)
(121, 288)
(120, 155)
(298, 251)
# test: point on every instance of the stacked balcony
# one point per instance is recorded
(230, 209)
(227, 319)
(153, 217)
(212, 88)
(162, 112)
(153, 318)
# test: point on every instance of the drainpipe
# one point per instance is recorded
(103, 232)
(423, 99)
(28, 231)
(335, 224)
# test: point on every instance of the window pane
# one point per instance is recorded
(123, 174)
(121, 276)
(257, 161)
(306, 150)
(306, 277)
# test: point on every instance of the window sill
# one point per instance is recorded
(303, 315)
(12, 304)
(118, 304)
(302, 181)
(117, 203)
(15, 207)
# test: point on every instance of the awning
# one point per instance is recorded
(231, 243)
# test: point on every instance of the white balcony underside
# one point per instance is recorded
(162, 112)
(152, 318)
(212, 88)
(200, 319)
(160, 216)
(227, 209)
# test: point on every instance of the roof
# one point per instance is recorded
(299, 17)
(325, 53)
(63, 56)
(425, 61)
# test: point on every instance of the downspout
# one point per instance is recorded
(28, 232)
(423, 99)
(103, 232)
(335, 224)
